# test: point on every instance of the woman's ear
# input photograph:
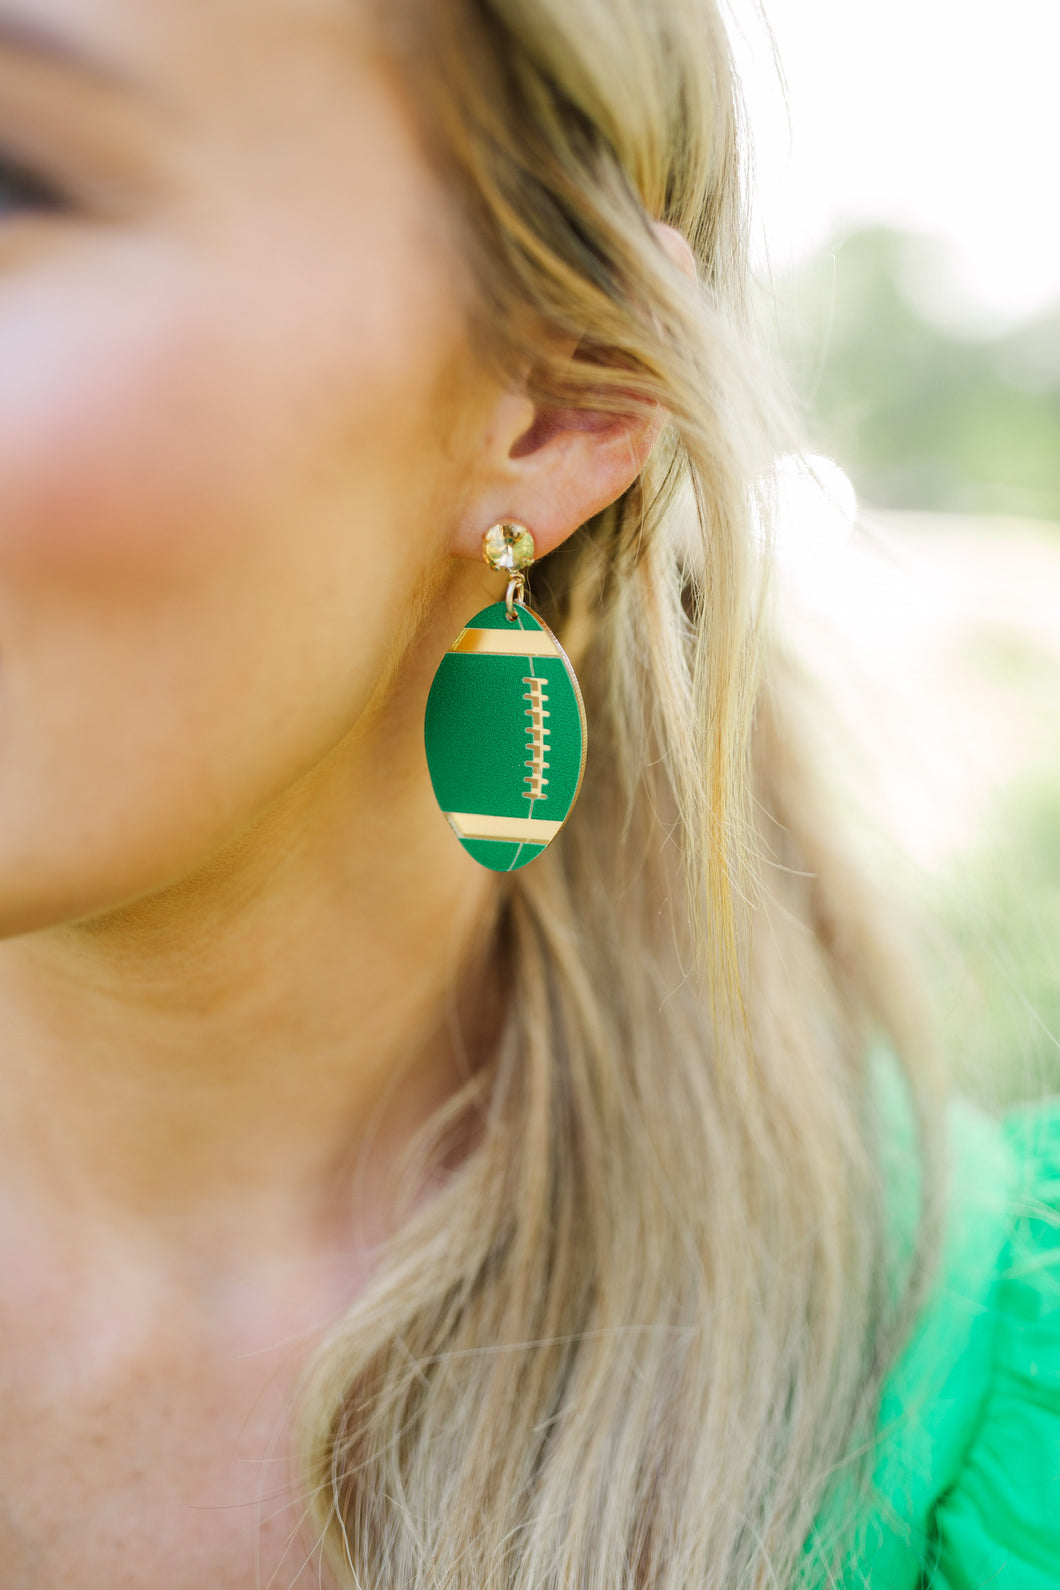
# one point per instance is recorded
(551, 467)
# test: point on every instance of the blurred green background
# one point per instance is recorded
(951, 438)
(919, 417)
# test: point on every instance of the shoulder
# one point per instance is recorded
(968, 1475)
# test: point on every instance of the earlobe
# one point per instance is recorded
(575, 462)
(561, 469)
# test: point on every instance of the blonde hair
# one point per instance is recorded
(640, 1331)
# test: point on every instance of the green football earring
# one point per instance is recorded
(505, 725)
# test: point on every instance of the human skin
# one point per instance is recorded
(247, 454)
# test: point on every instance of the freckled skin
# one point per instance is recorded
(247, 456)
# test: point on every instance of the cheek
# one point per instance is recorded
(205, 513)
(137, 429)
(103, 439)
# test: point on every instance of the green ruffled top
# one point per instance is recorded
(967, 1478)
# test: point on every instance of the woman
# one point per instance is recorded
(373, 1217)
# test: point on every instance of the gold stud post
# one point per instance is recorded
(509, 548)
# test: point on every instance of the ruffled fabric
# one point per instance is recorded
(998, 1523)
(968, 1477)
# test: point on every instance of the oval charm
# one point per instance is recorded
(505, 737)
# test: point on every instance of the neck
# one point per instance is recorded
(232, 1055)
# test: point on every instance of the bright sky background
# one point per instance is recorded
(940, 116)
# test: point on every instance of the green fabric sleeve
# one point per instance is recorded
(967, 1479)
(998, 1523)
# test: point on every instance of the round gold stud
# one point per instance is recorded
(508, 547)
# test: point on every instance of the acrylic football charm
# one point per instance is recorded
(505, 736)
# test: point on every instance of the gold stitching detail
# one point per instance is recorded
(537, 745)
